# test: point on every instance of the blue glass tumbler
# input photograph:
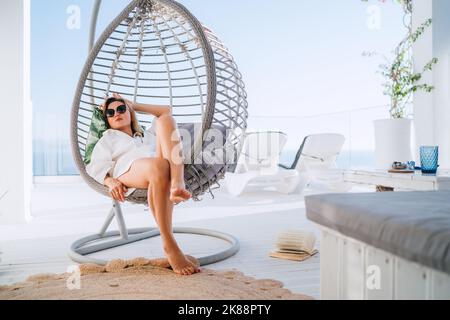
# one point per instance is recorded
(429, 159)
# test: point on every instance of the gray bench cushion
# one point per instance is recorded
(412, 225)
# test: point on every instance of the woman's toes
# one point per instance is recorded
(187, 272)
(179, 272)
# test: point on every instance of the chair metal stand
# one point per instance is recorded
(80, 249)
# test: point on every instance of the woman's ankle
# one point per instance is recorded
(170, 245)
(175, 183)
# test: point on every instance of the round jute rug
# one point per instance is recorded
(148, 280)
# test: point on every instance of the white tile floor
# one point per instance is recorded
(66, 212)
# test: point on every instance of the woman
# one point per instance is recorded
(126, 158)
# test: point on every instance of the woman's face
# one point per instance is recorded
(119, 121)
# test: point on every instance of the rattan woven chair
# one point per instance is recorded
(156, 51)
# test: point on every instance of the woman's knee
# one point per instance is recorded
(159, 170)
(167, 117)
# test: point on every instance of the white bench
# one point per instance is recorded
(383, 245)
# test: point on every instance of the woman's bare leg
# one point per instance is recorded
(153, 174)
(171, 148)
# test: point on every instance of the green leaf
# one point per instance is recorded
(96, 129)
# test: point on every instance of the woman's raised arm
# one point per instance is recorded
(156, 110)
(153, 109)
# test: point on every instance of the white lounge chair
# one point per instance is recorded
(258, 165)
(316, 162)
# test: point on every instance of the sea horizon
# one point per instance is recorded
(56, 159)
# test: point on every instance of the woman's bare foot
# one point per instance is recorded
(179, 263)
(178, 192)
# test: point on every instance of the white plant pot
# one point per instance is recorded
(392, 142)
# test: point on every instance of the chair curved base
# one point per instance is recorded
(79, 250)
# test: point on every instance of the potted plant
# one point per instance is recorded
(393, 136)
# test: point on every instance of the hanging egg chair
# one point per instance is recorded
(157, 52)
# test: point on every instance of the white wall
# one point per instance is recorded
(432, 111)
(441, 77)
(423, 102)
(15, 128)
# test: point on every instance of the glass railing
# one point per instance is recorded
(52, 153)
(356, 125)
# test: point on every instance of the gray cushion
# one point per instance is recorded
(187, 135)
(213, 139)
(412, 225)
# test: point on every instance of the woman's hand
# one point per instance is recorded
(129, 103)
(116, 189)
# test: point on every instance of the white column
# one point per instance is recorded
(422, 54)
(441, 77)
(432, 110)
(15, 128)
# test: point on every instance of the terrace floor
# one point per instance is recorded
(67, 211)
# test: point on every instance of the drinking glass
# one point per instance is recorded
(429, 156)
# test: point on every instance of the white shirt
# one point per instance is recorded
(116, 151)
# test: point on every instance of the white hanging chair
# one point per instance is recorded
(157, 51)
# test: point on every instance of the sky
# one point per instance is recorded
(299, 58)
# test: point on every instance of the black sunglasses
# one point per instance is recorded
(120, 110)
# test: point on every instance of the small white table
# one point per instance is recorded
(385, 181)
